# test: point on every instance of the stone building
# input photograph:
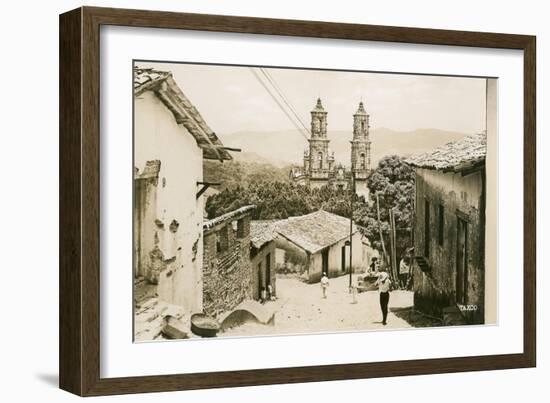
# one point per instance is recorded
(449, 239)
(226, 265)
(317, 243)
(319, 167)
(171, 139)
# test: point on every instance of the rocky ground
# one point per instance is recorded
(150, 313)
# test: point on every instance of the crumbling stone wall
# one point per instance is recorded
(227, 271)
(145, 210)
(461, 197)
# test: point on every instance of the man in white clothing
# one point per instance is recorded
(384, 284)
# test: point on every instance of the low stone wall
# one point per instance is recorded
(227, 271)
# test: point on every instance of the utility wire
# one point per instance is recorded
(300, 130)
(283, 97)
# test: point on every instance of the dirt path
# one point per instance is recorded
(300, 308)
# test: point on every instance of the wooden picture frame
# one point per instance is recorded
(79, 346)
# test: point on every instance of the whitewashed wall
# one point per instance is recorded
(159, 137)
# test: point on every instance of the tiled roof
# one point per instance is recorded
(455, 156)
(163, 85)
(232, 215)
(315, 231)
(145, 79)
(262, 232)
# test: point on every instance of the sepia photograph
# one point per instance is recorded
(272, 201)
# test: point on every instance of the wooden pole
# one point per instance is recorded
(394, 246)
(380, 228)
(352, 185)
(391, 271)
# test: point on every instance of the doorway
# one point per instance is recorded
(324, 266)
(268, 271)
(344, 258)
(462, 262)
(260, 281)
(427, 234)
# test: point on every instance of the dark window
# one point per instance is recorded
(242, 229)
(363, 163)
(440, 224)
(218, 242)
(222, 240)
(427, 234)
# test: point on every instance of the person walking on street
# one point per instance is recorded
(324, 284)
(404, 272)
(383, 282)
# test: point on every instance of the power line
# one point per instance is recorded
(283, 97)
(278, 103)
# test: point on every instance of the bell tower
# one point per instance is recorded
(319, 158)
(360, 150)
(360, 145)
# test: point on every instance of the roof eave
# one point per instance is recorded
(173, 98)
(464, 168)
(214, 223)
(314, 251)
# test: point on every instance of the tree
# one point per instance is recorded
(394, 182)
(278, 200)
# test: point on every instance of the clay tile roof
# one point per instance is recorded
(315, 231)
(262, 232)
(224, 218)
(455, 156)
(167, 90)
(147, 78)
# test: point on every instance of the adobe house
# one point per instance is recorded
(449, 239)
(171, 139)
(263, 253)
(317, 243)
(226, 264)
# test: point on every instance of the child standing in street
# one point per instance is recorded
(324, 284)
(263, 295)
(383, 282)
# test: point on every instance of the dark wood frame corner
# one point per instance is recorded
(79, 349)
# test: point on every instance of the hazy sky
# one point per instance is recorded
(231, 99)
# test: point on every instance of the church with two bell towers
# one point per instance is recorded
(320, 169)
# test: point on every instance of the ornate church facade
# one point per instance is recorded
(320, 169)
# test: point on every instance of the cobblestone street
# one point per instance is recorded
(300, 308)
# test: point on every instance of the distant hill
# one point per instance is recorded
(281, 148)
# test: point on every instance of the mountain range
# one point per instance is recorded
(282, 148)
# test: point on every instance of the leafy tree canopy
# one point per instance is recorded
(276, 197)
(394, 183)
